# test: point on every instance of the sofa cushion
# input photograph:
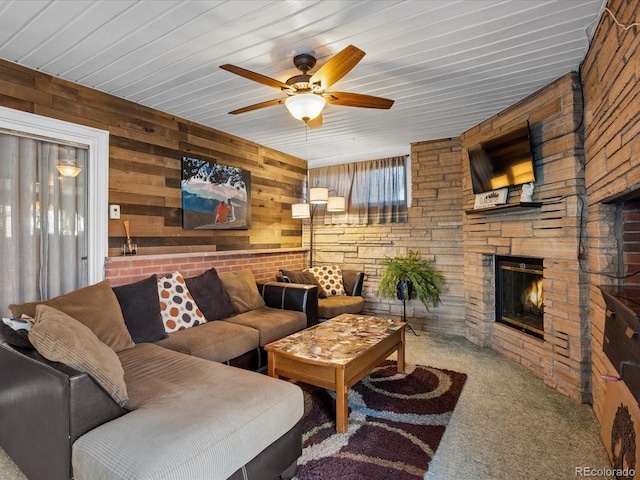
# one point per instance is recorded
(59, 338)
(140, 307)
(306, 278)
(329, 278)
(95, 306)
(217, 341)
(194, 419)
(241, 287)
(272, 323)
(209, 293)
(333, 306)
(179, 309)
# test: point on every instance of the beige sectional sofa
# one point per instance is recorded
(160, 408)
(190, 419)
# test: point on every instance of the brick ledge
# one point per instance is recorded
(225, 253)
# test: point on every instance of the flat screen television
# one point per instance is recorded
(502, 161)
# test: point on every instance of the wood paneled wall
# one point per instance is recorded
(146, 147)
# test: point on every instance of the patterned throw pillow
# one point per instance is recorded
(330, 279)
(179, 310)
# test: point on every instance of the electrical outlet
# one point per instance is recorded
(114, 212)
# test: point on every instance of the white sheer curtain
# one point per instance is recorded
(42, 229)
(375, 191)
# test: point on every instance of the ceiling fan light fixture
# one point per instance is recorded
(305, 106)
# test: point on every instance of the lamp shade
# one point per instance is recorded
(67, 170)
(305, 106)
(319, 195)
(335, 204)
(300, 210)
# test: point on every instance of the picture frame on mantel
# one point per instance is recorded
(492, 198)
(215, 196)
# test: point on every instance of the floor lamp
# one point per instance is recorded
(317, 196)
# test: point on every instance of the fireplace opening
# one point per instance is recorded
(520, 294)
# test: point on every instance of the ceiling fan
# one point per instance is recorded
(307, 94)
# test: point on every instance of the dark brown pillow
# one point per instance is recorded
(140, 305)
(95, 306)
(306, 278)
(210, 296)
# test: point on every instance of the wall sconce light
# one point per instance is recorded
(305, 106)
(317, 196)
(68, 168)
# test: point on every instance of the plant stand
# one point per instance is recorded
(404, 316)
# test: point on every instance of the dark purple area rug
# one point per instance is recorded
(396, 422)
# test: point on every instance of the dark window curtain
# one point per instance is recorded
(374, 191)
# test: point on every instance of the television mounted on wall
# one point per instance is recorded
(502, 161)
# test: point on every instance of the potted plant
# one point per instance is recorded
(404, 273)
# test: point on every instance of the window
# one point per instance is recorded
(375, 191)
(54, 224)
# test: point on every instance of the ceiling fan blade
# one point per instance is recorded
(256, 106)
(256, 77)
(337, 66)
(346, 99)
(316, 122)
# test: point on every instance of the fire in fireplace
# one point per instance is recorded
(520, 294)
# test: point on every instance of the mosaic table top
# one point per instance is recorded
(338, 340)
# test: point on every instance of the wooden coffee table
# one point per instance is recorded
(337, 354)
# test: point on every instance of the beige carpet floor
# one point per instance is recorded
(507, 423)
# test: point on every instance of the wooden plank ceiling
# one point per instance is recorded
(447, 64)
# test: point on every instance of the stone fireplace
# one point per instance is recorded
(551, 230)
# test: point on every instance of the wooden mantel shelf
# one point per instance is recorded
(507, 206)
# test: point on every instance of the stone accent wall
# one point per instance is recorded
(434, 227)
(551, 232)
(263, 264)
(462, 245)
(611, 83)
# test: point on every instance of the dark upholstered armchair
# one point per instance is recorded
(332, 306)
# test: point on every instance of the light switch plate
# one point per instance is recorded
(114, 212)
